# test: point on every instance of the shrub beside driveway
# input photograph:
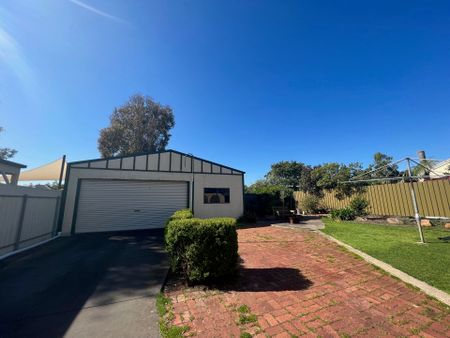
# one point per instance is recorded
(297, 283)
(202, 249)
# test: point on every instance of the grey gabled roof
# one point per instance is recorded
(14, 164)
(222, 167)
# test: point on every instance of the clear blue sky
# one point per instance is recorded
(250, 82)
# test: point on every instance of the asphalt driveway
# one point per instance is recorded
(89, 285)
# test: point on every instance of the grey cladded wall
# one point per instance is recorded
(12, 170)
(167, 166)
(27, 216)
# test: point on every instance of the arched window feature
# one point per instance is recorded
(216, 195)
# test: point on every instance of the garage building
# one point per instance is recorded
(141, 191)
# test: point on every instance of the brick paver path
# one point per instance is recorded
(297, 283)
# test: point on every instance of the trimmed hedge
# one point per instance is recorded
(202, 249)
(182, 214)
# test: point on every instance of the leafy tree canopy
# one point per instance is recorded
(308, 181)
(6, 153)
(140, 125)
(287, 175)
(330, 176)
(263, 187)
(379, 161)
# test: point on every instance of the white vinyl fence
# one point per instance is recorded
(28, 216)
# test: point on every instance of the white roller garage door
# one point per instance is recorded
(113, 205)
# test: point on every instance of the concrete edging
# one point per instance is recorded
(426, 288)
(12, 253)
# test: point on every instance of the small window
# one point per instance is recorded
(216, 195)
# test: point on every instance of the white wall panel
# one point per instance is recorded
(164, 161)
(127, 163)
(39, 216)
(98, 164)
(153, 162)
(114, 164)
(140, 162)
(112, 205)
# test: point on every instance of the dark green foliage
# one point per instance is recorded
(286, 174)
(331, 177)
(261, 197)
(260, 204)
(334, 214)
(182, 214)
(285, 177)
(243, 309)
(245, 318)
(164, 307)
(245, 335)
(262, 187)
(381, 160)
(202, 249)
(345, 214)
(140, 125)
(359, 205)
(6, 153)
(162, 303)
(247, 218)
(310, 204)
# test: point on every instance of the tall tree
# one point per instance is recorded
(286, 174)
(332, 177)
(308, 181)
(6, 153)
(382, 162)
(140, 125)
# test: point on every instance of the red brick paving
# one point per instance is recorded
(298, 283)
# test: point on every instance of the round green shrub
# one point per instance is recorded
(359, 205)
(310, 204)
(202, 249)
(182, 214)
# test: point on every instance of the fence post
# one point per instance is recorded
(20, 224)
(55, 217)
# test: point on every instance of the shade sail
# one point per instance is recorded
(46, 172)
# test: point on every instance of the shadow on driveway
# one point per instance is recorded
(261, 280)
(98, 285)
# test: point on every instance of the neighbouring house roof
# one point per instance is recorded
(440, 168)
(444, 164)
(14, 164)
(104, 163)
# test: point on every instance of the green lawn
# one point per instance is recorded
(397, 246)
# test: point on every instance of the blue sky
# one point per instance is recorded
(250, 82)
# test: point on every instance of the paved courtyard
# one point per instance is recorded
(297, 283)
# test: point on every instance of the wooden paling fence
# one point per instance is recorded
(433, 199)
